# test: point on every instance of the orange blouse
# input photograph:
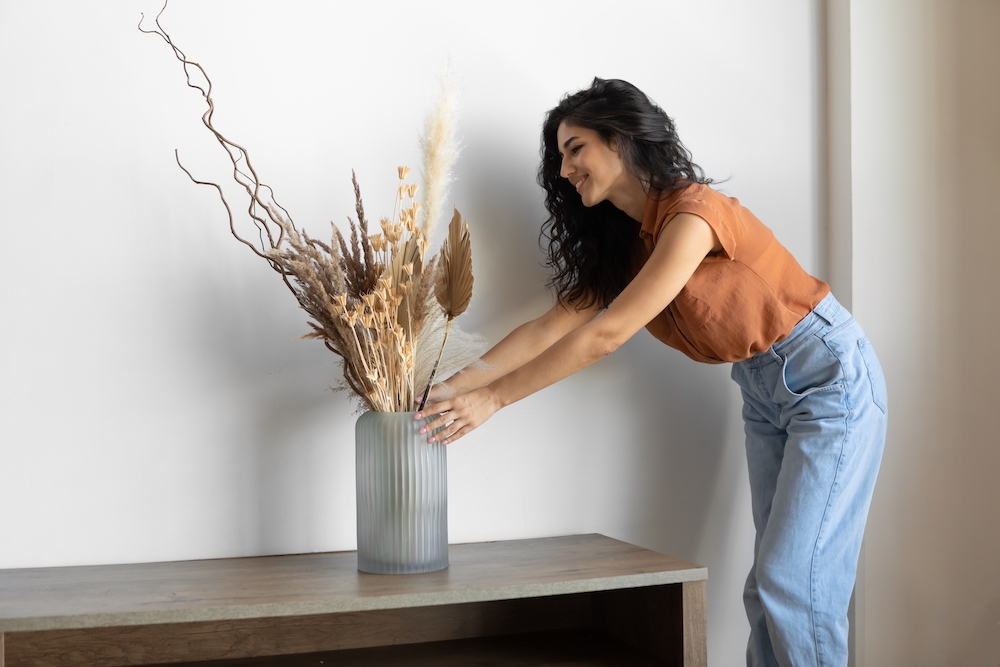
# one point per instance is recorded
(738, 302)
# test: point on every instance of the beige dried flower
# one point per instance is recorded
(440, 150)
(370, 297)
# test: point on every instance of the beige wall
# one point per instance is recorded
(155, 405)
(925, 101)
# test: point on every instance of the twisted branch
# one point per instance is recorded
(371, 300)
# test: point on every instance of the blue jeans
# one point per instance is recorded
(814, 410)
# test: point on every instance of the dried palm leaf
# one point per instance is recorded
(454, 286)
(453, 289)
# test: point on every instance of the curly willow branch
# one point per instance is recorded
(371, 301)
(289, 253)
(261, 195)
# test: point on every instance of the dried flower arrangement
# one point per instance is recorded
(377, 301)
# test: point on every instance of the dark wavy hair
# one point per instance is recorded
(590, 249)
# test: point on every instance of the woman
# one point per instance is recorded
(637, 235)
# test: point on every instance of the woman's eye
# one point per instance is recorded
(575, 150)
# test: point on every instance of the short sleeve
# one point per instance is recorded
(697, 199)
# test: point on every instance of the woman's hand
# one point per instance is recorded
(439, 392)
(458, 415)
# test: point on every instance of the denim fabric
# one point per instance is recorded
(814, 410)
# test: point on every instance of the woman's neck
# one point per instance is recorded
(629, 196)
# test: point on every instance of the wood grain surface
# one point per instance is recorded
(239, 588)
(579, 648)
(243, 608)
(139, 645)
(695, 604)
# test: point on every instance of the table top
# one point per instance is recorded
(322, 583)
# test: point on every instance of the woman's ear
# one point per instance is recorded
(621, 147)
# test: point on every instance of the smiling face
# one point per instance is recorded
(591, 165)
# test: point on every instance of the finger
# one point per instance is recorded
(442, 432)
(456, 435)
(430, 410)
(432, 426)
(445, 419)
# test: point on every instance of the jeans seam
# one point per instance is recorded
(821, 332)
(864, 343)
(810, 620)
(783, 354)
(822, 526)
(837, 328)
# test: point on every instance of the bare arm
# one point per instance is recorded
(518, 348)
(682, 246)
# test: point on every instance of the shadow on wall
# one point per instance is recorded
(238, 323)
(505, 212)
(680, 416)
(679, 410)
(298, 485)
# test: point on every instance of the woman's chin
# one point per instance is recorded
(587, 199)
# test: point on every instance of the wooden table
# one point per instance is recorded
(580, 600)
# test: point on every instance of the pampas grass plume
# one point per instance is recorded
(440, 150)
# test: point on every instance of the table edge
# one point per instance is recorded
(347, 605)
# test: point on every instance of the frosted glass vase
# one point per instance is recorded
(402, 486)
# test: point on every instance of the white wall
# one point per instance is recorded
(925, 151)
(154, 403)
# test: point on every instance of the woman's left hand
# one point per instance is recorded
(458, 415)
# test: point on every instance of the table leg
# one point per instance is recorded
(695, 611)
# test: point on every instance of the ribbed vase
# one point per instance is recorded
(402, 486)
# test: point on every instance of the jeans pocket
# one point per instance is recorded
(875, 376)
(812, 367)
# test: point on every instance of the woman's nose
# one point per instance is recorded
(564, 167)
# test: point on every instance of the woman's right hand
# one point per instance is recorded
(452, 418)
